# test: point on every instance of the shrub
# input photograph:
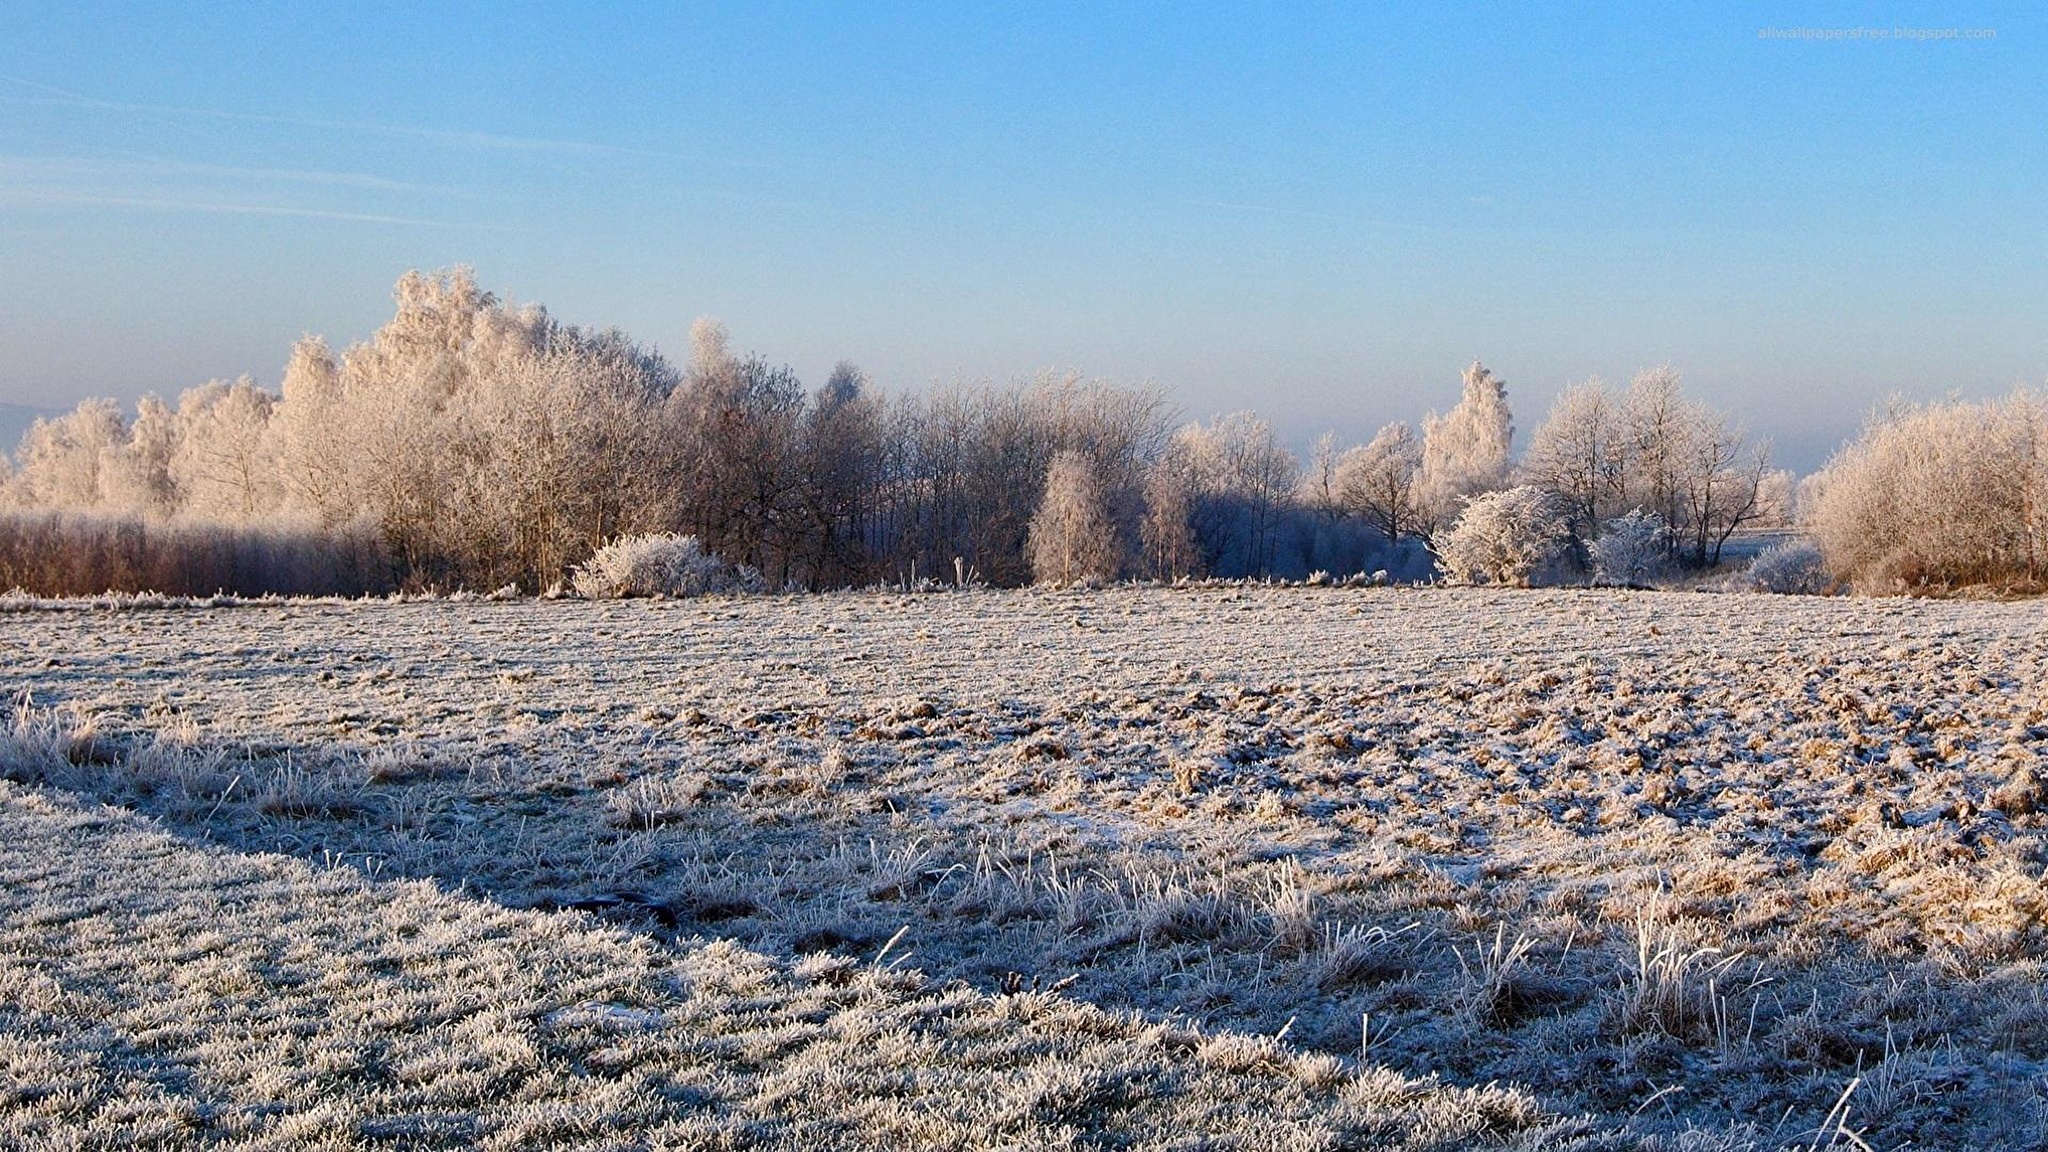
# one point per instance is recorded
(61, 553)
(1794, 567)
(663, 564)
(1507, 537)
(1630, 549)
(1940, 497)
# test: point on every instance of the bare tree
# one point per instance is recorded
(1167, 534)
(1381, 482)
(840, 465)
(1723, 483)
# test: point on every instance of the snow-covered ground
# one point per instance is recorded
(1675, 861)
(157, 994)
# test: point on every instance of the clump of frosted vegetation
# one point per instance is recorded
(662, 564)
(1509, 537)
(1938, 498)
(1629, 550)
(1795, 567)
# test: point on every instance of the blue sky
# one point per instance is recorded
(1321, 212)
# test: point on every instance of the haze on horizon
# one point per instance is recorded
(1323, 216)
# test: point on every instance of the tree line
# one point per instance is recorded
(472, 443)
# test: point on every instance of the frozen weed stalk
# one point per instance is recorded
(1676, 991)
(1488, 992)
(1359, 954)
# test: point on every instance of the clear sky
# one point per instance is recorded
(1319, 212)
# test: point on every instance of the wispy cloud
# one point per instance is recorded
(158, 184)
(1304, 214)
(118, 178)
(62, 97)
(159, 204)
(129, 165)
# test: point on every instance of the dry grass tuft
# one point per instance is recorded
(1676, 990)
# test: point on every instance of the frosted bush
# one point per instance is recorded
(1941, 497)
(664, 564)
(1794, 567)
(1507, 537)
(1629, 550)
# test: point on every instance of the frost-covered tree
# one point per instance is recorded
(1657, 422)
(1505, 537)
(220, 465)
(1722, 483)
(61, 461)
(1167, 533)
(710, 347)
(1072, 536)
(411, 444)
(1320, 492)
(1777, 499)
(136, 476)
(446, 333)
(1243, 482)
(564, 453)
(487, 442)
(966, 460)
(1654, 449)
(1467, 451)
(470, 441)
(313, 441)
(1381, 482)
(1580, 455)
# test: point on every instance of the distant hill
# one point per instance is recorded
(14, 420)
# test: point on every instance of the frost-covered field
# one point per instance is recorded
(1683, 866)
